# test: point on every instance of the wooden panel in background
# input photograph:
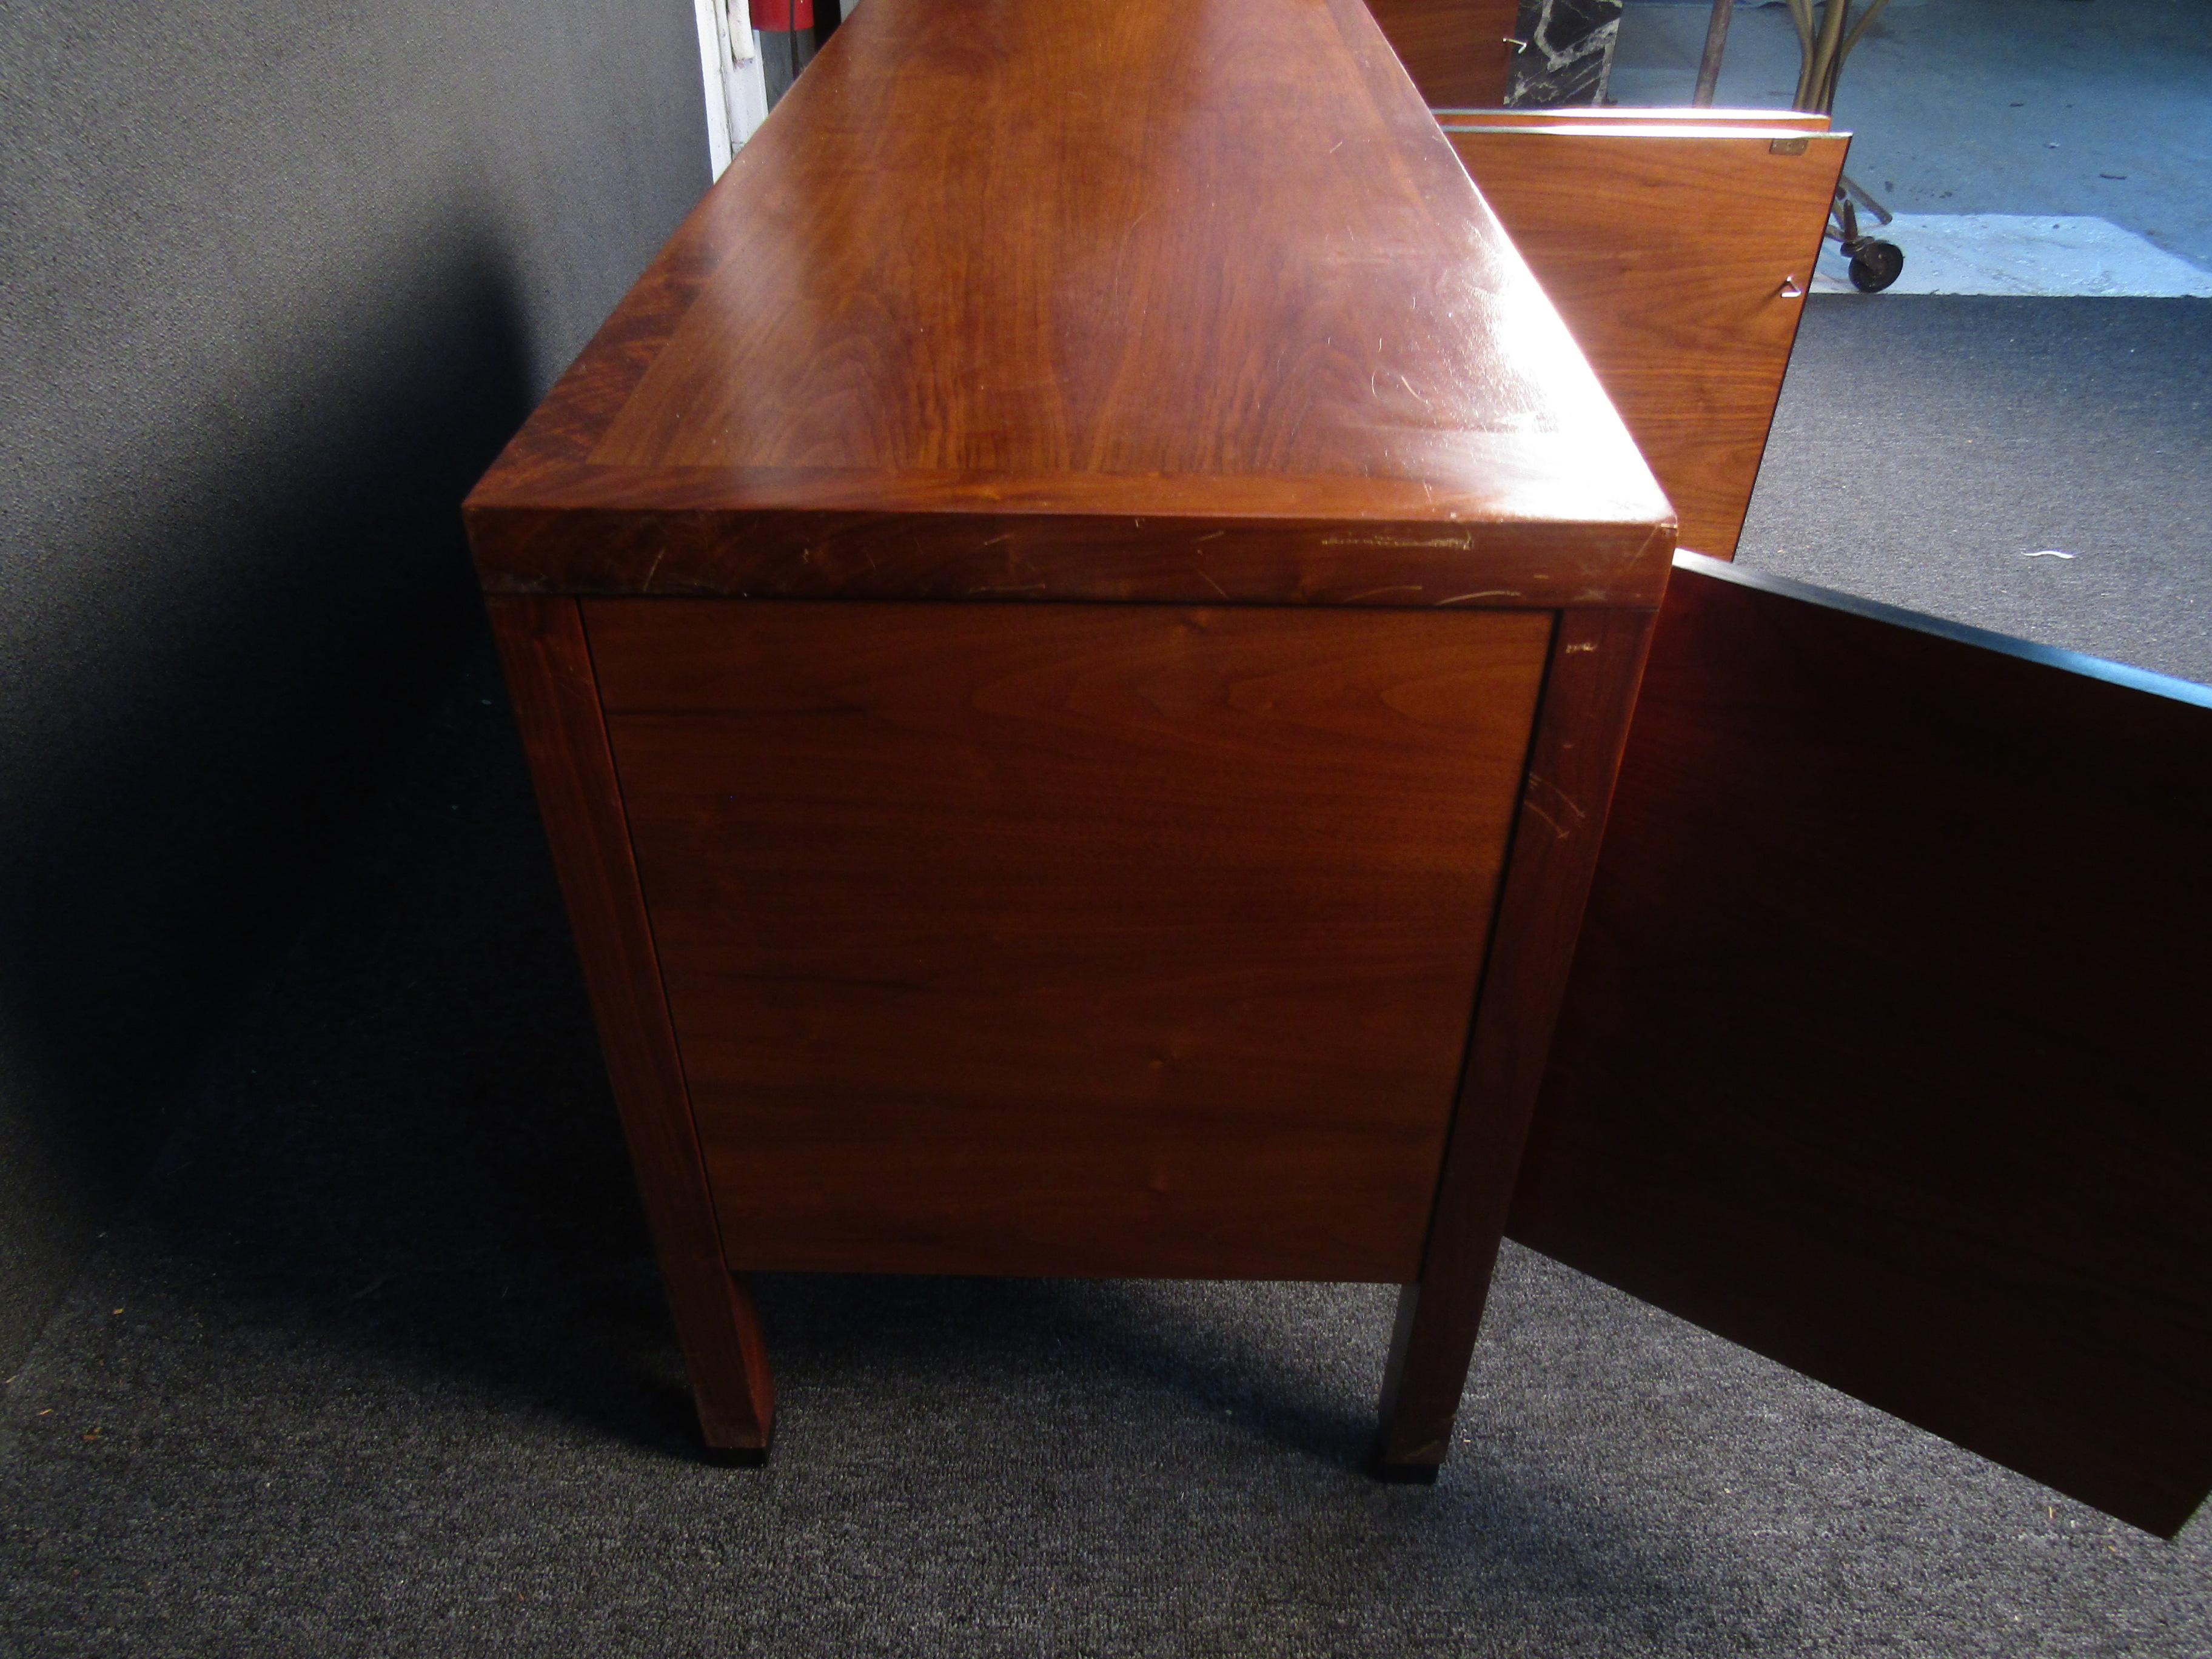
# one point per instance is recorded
(1888, 1047)
(1617, 115)
(1458, 52)
(1672, 250)
(1084, 939)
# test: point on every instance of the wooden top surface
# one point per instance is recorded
(1177, 300)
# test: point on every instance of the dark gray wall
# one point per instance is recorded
(277, 278)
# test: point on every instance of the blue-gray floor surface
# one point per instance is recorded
(376, 1361)
(2015, 106)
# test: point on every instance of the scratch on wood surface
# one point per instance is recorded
(1400, 587)
(1561, 798)
(1486, 594)
(1585, 645)
(1553, 821)
(1030, 587)
(1462, 541)
(646, 587)
(1210, 582)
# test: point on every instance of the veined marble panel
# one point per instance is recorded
(1569, 52)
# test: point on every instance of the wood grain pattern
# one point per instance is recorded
(1083, 940)
(1139, 935)
(1085, 299)
(1590, 690)
(1458, 52)
(1669, 247)
(550, 677)
(1886, 1051)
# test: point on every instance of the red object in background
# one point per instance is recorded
(783, 16)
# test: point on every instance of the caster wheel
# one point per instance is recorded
(1876, 265)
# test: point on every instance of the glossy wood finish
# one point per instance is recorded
(1458, 52)
(1590, 688)
(1887, 1050)
(1086, 300)
(1672, 243)
(1122, 940)
(1136, 935)
(550, 679)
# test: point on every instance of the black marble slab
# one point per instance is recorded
(1567, 54)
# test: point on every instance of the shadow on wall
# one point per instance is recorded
(213, 661)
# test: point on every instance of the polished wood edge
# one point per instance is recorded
(1581, 727)
(1655, 130)
(1712, 122)
(555, 690)
(566, 427)
(1149, 557)
(1495, 479)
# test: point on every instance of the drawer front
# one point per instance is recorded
(1084, 939)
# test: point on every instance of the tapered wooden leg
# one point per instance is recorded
(731, 1382)
(1589, 692)
(556, 703)
(1421, 1387)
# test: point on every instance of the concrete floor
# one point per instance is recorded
(2073, 107)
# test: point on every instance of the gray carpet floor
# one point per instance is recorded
(1929, 450)
(375, 1362)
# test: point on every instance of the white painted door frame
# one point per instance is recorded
(730, 63)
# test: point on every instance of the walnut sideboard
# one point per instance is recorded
(1075, 633)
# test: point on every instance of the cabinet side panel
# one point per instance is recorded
(1070, 939)
(550, 678)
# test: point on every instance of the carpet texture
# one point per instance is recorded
(1928, 449)
(376, 1361)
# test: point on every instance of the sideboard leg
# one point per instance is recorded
(1589, 693)
(556, 695)
(1421, 1385)
(731, 1381)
